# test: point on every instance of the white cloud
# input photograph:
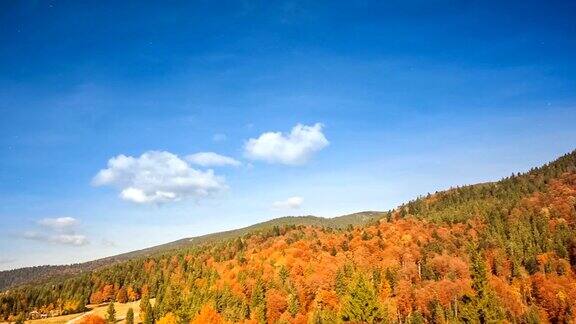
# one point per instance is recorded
(295, 148)
(157, 177)
(66, 239)
(59, 230)
(207, 159)
(70, 239)
(59, 224)
(290, 203)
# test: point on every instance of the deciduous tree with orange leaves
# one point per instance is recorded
(92, 319)
(207, 315)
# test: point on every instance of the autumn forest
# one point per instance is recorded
(501, 251)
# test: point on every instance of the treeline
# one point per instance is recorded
(483, 253)
(10, 278)
(40, 274)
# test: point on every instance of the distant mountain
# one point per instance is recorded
(496, 252)
(15, 277)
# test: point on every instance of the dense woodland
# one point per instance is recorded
(35, 275)
(495, 251)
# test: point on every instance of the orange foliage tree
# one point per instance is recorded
(92, 319)
(207, 315)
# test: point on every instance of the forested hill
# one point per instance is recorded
(483, 200)
(11, 278)
(492, 252)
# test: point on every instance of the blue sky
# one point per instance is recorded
(394, 100)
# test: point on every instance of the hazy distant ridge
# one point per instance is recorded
(15, 277)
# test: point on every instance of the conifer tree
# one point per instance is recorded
(111, 313)
(130, 316)
(361, 303)
(485, 303)
(20, 319)
(293, 305)
(341, 285)
(259, 301)
(148, 314)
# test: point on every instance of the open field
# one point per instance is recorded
(57, 319)
(121, 310)
(100, 310)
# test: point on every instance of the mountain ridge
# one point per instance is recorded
(34, 274)
(489, 252)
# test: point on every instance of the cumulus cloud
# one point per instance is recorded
(58, 230)
(157, 177)
(295, 148)
(70, 239)
(290, 203)
(61, 238)
(208, 159)
(59, 223)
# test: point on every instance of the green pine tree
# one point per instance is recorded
(111, 313)
(293, 304)
(130, 316)
(341, 284)
(143, 303)
(284, 274)
(486, 304)
(20, 319)
(148, 314)
(259, 301)
(361, 303)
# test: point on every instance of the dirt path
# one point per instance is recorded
(76, 319)
(99, 310)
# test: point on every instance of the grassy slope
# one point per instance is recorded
(100, 310)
